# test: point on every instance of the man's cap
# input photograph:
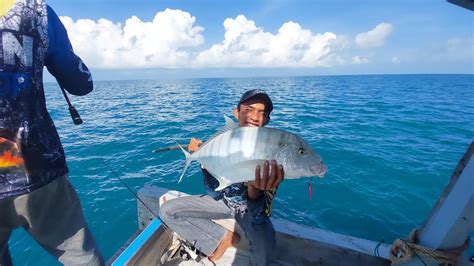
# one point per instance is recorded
(258, 94)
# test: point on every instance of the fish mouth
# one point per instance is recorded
(320, 170)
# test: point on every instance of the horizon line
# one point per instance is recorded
(266, 76)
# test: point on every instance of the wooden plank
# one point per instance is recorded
(122, 248)
(150, 253)
(452, 219)
(360, 245)
(137, 244)
(291, 250)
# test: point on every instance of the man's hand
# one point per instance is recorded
(269, 179)
(194, 144)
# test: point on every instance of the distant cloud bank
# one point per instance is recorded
(172, 40)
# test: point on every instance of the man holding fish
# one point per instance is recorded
(241, 175)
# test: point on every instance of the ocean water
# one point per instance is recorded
(391, 143)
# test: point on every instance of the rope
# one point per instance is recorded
(404, 250)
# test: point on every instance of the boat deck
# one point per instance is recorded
(296, 244)
(290, 250)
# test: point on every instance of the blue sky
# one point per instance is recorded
(187, 39)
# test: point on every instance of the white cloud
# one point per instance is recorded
(357, 60)
(395, 60)
(246, 45)
(375, 37)
(164, 42)
(173, 40)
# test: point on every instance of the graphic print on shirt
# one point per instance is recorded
(11, 160)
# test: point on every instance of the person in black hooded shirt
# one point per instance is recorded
(35, 192)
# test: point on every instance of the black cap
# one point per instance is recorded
(258, 94)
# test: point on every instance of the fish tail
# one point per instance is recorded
(186, 164)
(222, 185)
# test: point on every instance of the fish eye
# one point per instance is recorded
(301, 151)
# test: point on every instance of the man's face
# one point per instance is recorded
(251, 113)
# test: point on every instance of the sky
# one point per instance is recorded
(123, 39)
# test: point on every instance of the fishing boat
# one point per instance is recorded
(440, 239)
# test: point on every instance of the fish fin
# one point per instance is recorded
(186, 164)
(229, 125)
(223, 183)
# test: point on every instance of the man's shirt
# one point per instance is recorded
(31, 154)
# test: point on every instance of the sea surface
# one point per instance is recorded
(391, 143)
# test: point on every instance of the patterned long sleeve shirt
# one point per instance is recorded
(31, 154)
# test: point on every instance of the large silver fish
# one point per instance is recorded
(232, 155)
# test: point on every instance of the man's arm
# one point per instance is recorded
(68, 69)
(268, 180)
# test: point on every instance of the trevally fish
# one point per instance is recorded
(232, 155)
